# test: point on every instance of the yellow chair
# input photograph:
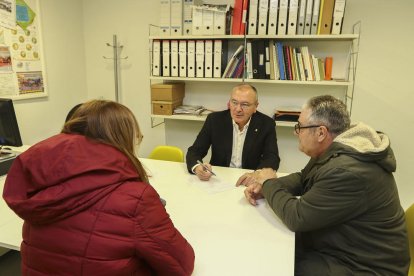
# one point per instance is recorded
(409, 218)
(167, 153)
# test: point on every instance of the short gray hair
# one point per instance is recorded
(330, 112)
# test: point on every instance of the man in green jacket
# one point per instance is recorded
(344, 205)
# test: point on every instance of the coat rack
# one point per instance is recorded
(116, 48)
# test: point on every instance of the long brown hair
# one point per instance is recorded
(110, 123)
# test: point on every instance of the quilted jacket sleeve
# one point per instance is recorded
(158, 242)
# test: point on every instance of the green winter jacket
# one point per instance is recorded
(345, 209)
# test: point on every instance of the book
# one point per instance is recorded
(328, 68)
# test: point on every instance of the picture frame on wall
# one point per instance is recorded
(22, 67)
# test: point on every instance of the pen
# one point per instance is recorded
(205, 167)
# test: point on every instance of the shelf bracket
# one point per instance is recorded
(155, 124)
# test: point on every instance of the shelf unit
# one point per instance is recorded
(347, 84)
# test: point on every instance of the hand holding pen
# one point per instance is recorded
(203, 171)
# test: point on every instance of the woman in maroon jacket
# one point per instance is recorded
(87, 205)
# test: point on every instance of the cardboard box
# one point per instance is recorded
(167, 92)
(165, 107)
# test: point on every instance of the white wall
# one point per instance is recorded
(62, 25)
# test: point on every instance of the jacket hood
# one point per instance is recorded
(62, 176)
(365, 144)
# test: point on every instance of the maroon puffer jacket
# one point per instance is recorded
(87, 213)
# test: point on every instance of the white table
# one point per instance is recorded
(229, 236)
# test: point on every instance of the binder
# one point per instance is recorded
(244, 17)
(176, 17)
(308, 17)
(301, 17)
(156, 57)
(188, 15)
(197, 20)
(165, 58)
(272, 22)
(261, 55)
(281, 58)
(208, 59)
(252, 21)
(249, 60)
(237, 17)
(199, 58)
(326, 13)
(165, 19)
(182, 58)
(208, 21)
(338, 16)
(267, 61)
(272, 58)
(191, 58)
(217, 58)
(315, 16)
(219, 27)
(262, 22)
(283, 17)
(293, 16)
(328, 68)
(174, 58)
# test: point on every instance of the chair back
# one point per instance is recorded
(167, 153)
(409, 218)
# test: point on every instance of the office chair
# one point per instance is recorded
(167, 153)
(409, 218)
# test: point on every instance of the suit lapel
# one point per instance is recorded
(252, 133)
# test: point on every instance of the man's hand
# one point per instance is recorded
(203, 174)
(253, 192)
(258, 176)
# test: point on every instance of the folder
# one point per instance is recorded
(176, 17)
(199, 58)
(301, 17)
(293, 16)
(237, 17)
(165, 58)
(328, 68)
(326, 13)
(165, 26)
(283, 17)
(267, 61)
(262, 22)
(191, 58)
(244, 17)
(308, 17)
(274, 60)
(188, 15)
(281, 58)
(249, 60)
(261, 57)
(272, 22)
(219, 57)
(208, 59)
(338, 16)
(232, 63)
(156, 57)
(208, 21)
(252, 21)
(197, 20)
(219, 27)
(174, 58)
(315, 17)
(182, 58)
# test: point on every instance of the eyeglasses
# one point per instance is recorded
(298, 127)
(243, 106)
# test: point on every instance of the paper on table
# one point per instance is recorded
(214, 185)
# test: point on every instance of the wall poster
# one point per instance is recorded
(22, 70)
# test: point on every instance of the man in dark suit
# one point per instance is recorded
(239, 137)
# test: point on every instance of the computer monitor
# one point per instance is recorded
(9, 129)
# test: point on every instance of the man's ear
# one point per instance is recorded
(322, 133)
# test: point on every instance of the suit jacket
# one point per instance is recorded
(260, 146)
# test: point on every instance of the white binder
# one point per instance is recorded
(249, 60)
(182, 58)
(301, 17)
(208, 21)
(308, 17)
(283, 16)
(262, 22)
(165, 58)
(315, 17)
(293, 16)
(272, 22)
(188, 15)
(252, 20)
(219, 22)
(165, 26)
(197, 20)
(338, 16)
(208, 59)
(191, 58)
(156, 58)
(217, 58)
(199, 57)
(174, 58)
(176, 14)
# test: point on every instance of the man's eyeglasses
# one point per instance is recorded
(298, 127)
(243, 106)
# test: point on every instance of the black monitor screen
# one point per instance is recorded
(9, 129)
